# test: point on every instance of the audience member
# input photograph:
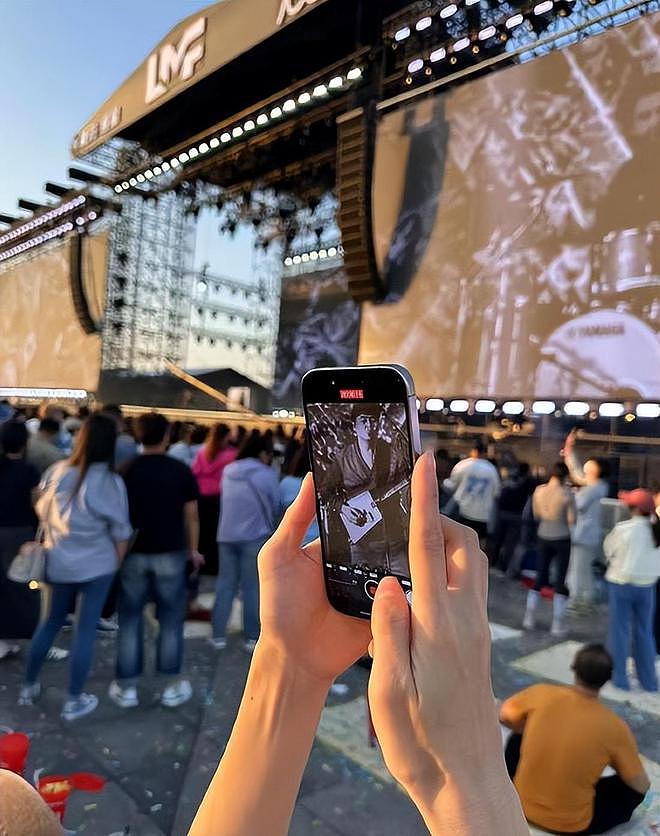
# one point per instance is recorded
(208, 467)
(475, 485)
(84, 511)
(19, 605)
(563, 738)
(41, 449)
(183, 449)
(250, 510)
(126, 448)
(291, 484)
(516, 491)
(554, 510)
(633, 568)
(587, 536)
(162, 499)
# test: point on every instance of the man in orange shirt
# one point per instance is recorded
(563, 739)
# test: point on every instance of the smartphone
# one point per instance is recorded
(363, 436)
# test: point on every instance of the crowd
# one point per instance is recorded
(131, 512)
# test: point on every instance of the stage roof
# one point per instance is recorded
(194, 49)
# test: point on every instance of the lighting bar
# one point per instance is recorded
(435, 405)
(648, 410)
(543, 407)
(334, 85)
(611, 410)
(56, 232)
(459, 405)
(576, 408)
(314, 255)
(18, 392)
(34, 223)
(484, 406)
(513, 407)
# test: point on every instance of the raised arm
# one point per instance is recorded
(572, 462)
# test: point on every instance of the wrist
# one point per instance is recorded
(272, 661)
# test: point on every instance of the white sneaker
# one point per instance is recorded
(123, 697)
(218, 644)
(177, 694)
(107, 625)
(29, 694)
(79, 706)
(249, 645)
(529, 621)
(57, 654)
(559, 629)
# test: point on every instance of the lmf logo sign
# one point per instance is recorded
(175, 62)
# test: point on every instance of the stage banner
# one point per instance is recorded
(517, 228)
(49, 303)
(318, 327)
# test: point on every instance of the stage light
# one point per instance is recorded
(402, 34)
(140, 178)
(289, 106)
(513, 21)
(192, 153)
(484, 405)
(513, 407)
(249, 125)
(323, 253)
(472, 2)
(415, 66)
(648, 410)
(214, 142)
(174, 163)
(225, 137)
(611, 410)
(461, 44)
(487, 32)
(283, 413)
(336, 82)
(238, 131)
(80, 221)
(576, 408)
(314, 256)
(262, 119)
(204, 148)
(332, 252)
(448, 11)
(166, 166)
(296, 259)
(543, 407)
(92, 216)
(304, 98)
(542, 8)
(475, 49)
(288, 261)
(629, 417)
(438, 54)
(132, 181)
(423, 23)
(276, 112)
(118, 189)
(183, 157)
(435, 405)
(459, 405)
(354, 73)
(304, 258)
(149, 174)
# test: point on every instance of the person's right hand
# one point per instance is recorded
(430, 692)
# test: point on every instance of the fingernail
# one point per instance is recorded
(387, 586)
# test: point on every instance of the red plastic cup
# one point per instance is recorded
(14, 749)
(55, 791)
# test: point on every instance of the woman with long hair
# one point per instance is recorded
(84, 513)
(208, 467)
(19, 605)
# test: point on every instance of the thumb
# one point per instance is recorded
(390, 628)
(298, 516)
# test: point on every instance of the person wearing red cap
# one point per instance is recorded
(632, 551)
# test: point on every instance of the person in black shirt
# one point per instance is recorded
(162, 499)
(516, 491)
(19, 605)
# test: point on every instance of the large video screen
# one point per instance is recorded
(517, 226)
(42, 340)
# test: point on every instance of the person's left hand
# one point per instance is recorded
(296, 617)
(197, 559)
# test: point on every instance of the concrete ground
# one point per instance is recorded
(158, 762)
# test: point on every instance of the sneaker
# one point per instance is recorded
(177, 694)
(9, 651)
(107, 625)
(218, 644)
(78, 707)
(559, 630)
(29, 694)
(57, 654)
(123, 697)
(529, 621)
(249, 645)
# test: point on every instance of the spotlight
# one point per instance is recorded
(629, 417)
(543, 407)
(323, 253)
(225, 137)
(475, 49)
(132, 181)
(249, 125)
(472, 2)
(183, 157)
(165, 166)
(461, 44)
(576, 408)
(204, 148)
(214, 142)
(140, 178)
(402, 34)
(289, 106)
(149, 174)
(238, 131)
(276, 112)
(118, 189)
(354, 73)
(487, 32)
(296, 259)
(423, 23)
(332, 252)
(435, 405)
(513, 21)
(336, 82)
(448, 11)
(648, 410)
(611, 410)
(305, 98)
(415, 66)
(192, 153)
(459, 405)
(288, 261)
(262, 119)
(513, 407)
(484, 406)
(314, 256)
(438, 54)
(92, 216)
(174, 163)
(542, 8)
(304, 258)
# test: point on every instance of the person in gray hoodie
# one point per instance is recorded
(587, 536)
(250, 512)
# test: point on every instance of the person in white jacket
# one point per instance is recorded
(632, 553)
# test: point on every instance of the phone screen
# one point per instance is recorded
(362, 463)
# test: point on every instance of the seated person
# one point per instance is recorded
(563, 739)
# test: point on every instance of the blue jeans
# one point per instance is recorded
(145, 577)
(238, 570)
(631, 623)
(62, 601)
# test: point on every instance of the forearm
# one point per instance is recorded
(255, 786)
(574, 468)
(192, 531)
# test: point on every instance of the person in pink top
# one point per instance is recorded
(208, 468)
